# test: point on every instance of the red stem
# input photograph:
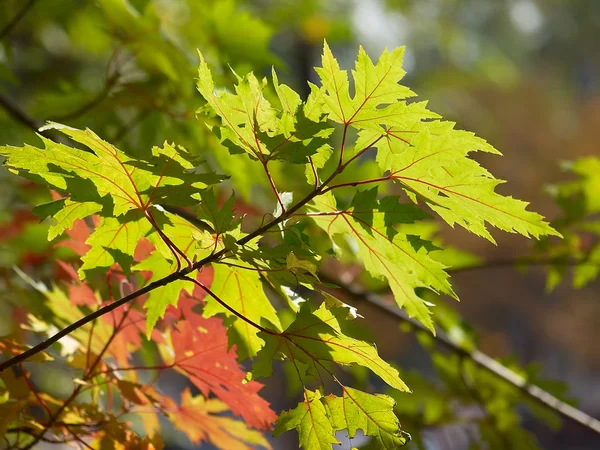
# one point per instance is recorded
(362, 151)
(274, 187)
(174, 249)
(314, 169)
(356, 183)
(229, 308)
(340, 163)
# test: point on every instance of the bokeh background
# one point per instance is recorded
(523, 74)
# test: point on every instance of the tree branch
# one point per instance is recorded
(15, 20)
(99, 98)
(482, 360)
(529, 261)
(20, 116)
(178, 275)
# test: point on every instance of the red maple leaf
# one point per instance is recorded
(200, 352)
(80, 293)
(200, 420)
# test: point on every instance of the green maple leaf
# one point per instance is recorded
(159, 299)
(428, 158)
(63, 213)
(310, 419)
(373, 414)
(378, 98)
(385, 252)
(106, 181)
(431, 160)
(114, 241)
(250, 124)
(221, 217)
(194, 242)
(242, 290)
(315, 339)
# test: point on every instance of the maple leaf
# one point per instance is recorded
(200, 352)
(63, 213)
(128, 333)
(119, 332)
(375, 87)
(373, 414)
(108, 182)
(317, 419)
(250, 124)
(9, 345)
(150, 401)
(427, 157)
(80, 293)
(158, 267)
(243, 291)
(199, 419)
(114, 241)
(430, 159)
(159, 299)
(385, 252)
(221, 217)
(315, 338)
(77, 235)
(311, 421)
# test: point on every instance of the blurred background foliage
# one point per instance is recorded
(523, 74)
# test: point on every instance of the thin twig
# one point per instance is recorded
(227, 307)
(20, 116)
(16, 19)
(274, 187)
(529, 261)
(130, 126)
(314, 171)
(99, 98)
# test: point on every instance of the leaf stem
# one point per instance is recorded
(229, 308)
(356, 183)
(340, 163)
(358, 154)
(174, 249)
(314, 170)
(265, 166)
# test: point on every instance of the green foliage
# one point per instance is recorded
(314, 340)
(310, 419)
(223, 287)
(578, 223)
(374, 414)
(243, 290)
(382, 249)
